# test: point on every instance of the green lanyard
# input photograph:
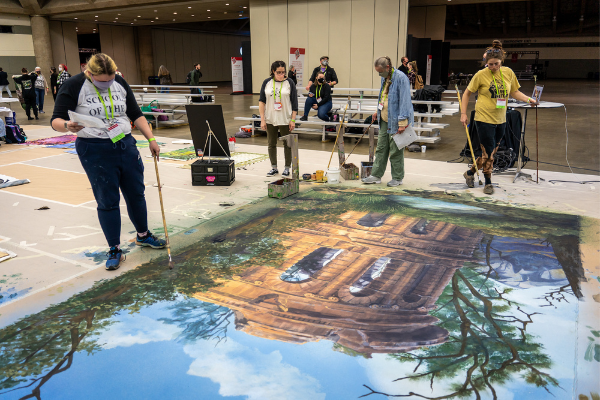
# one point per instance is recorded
(318, 91)
(275, 91)
(112, 107)
(503, 84)
(382, 99)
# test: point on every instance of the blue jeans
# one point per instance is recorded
(321, 112)
(110, 166)
(39, 98)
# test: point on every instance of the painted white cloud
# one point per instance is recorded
(245, 371)
(137, 329)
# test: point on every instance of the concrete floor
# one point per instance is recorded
(581, 98)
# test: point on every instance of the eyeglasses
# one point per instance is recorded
(279, 72)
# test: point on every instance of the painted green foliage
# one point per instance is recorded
(489, 343)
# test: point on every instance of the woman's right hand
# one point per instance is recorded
(263, 125)
(73, 127)
(463, 119)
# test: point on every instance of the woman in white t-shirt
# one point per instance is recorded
(278, 106)
(109, 155)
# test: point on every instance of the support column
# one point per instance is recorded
(146, 53)
(42, 47)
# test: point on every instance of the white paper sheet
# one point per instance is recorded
(405, 138)
(86, 121)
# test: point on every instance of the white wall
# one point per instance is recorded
(180, 50)
(353, 33)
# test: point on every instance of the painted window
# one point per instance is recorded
(374, 272)
(373, 220)
(310, 264)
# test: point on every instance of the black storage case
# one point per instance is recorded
(213, 173)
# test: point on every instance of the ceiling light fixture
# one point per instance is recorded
(173, 19)
(152, 21)
(118, 14)
(189, 7)
(139, 16)
(207, 10)
(116, 17)
(175, 13)
(192, 15)
(208, 17)
(95, 16)
(245, 7)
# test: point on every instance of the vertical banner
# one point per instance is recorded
(237, 74)
(297, 60)
(428, 76)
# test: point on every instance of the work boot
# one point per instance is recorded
(150, 241)
(394, 183)
(371, 179)
(470, 179)
(488, 189)
(115, 256)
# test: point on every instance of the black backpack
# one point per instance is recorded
(188, 80)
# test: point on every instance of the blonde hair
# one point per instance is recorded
(163, 71)
(414, 67)
(101, 64)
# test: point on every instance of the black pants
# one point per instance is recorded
(490, 136)
(110, 167)
(29, 104)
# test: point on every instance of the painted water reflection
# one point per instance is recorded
(460, 309)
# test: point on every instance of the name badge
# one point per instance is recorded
(115, 133)
(380, 106)
(278, 106)
(500, 103)
(319, 100)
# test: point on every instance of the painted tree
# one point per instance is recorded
(488, 343)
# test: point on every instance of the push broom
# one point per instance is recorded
(468, 137)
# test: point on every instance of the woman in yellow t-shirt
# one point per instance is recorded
(493, 84)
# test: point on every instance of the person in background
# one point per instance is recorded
(330, 76)
(63, 75)
(27, 82)
(195, 77)
(278, 105)
(41, 89)
(109, 155)
(319, 98)
(164, 77)
(418, 82)
(4, 83)
(404, 65)
(494, 84)
(292, 75)
(53, 84)
(412, 73)
(394, 113)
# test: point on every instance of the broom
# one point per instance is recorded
(162, 210)
(338, 134)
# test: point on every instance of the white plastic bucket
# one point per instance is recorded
(333, 175)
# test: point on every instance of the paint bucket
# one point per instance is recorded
(333, 175)
(319, 174)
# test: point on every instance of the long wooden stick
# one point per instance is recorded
(162, 210)
(468, 137)
(358, 141)
(339, 130)
(537, 148)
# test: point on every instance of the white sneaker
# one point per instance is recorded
(394, 183)
(371, 179)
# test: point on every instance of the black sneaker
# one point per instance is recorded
(29, 118)
(303, 118)
(286, 172)
(272, 172)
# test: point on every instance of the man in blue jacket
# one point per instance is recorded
(394, 113)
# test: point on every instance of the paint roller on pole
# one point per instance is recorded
(468, 137)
